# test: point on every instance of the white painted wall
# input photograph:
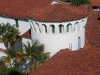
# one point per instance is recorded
(26, 40)
(2, 54)
(23, 24)
(54, 2)
(2, 46)
(57, 41)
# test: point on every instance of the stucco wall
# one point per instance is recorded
(2, 46)
(2, 54)
(26, 40)
(57, 41)
(23, 24)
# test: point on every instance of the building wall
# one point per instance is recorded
(26, 40)
(2, 54)
(56, 41)
(2, 46)
(23, 24)
(54, 2)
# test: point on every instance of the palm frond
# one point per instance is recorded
(28, 69)
(25, 57)
(6, 59)
(19, 53)
(19, 59)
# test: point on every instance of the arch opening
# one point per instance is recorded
(44, 28)
(82, 24)
(37, 28)
(61, 28)
(76, 27)
(52, 29)
(69, 28)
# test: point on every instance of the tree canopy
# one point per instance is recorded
(78, 2)
(9, 34)
(36, 54)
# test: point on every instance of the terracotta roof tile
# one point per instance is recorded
(93, 29)
(95, 2)
(81, 62)
(20, 8)
(27, 34)
(58, 13)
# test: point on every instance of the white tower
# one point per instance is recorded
(59, 26)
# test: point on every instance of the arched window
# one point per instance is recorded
(82, 24)
(76, 26)
(37, 28)
(69, 28)
(44, 28)
(52, 29)
(61, 28)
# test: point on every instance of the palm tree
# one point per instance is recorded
(3, 68)
(16, 56)
(9, 34)
(3, 31)
(36, 54)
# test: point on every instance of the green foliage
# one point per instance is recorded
(17, 56)
(66, 0)
(3, 68)
(9, 34)
(14, 71)
(9, 71)
(78, 2)
(36, 54)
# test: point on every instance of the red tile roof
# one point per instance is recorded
(62, 2)
(93, 29)
(81, 62)
(20, 8)
(58, 13)
(27, 34)
(95, 2)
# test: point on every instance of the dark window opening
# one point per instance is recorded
(16, 22)
(53, 29)
(45, 29)
(60, 28)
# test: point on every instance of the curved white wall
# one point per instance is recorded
(56, 41)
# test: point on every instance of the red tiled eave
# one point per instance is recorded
(27, 34)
